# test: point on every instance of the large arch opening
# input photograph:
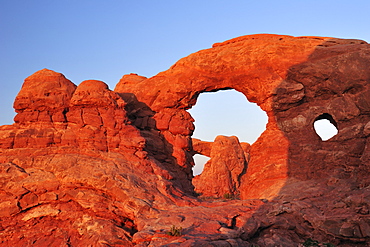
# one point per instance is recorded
(229, 113)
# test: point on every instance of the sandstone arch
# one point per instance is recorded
(284, 75)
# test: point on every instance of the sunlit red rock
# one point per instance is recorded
(221, 174)
(43, 98)
(87, 166)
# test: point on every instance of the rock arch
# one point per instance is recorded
(292, 79)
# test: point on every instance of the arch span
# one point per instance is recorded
(292, 79)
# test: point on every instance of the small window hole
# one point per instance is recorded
(200, 160)
(325, 126)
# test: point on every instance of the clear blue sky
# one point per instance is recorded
(105, 39)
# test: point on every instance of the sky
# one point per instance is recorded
(105, 39)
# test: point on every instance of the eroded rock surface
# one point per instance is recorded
(77, 170)
(87, 166)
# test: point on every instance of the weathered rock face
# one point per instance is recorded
(222, 173)
(44, 97)
(77, 166)
(89, 166)
(294, 80)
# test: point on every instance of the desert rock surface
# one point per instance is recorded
(89, 166)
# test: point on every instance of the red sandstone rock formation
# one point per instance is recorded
(74, 165)
(88, 166)
(221, 174)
